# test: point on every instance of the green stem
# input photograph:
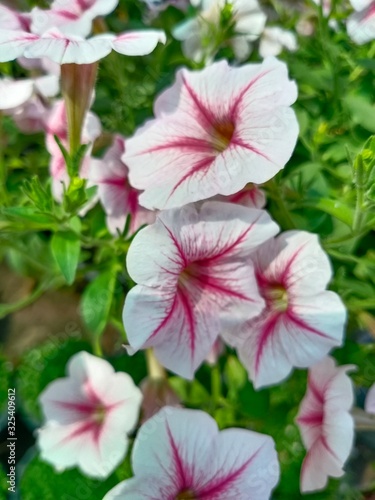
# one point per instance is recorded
(283, 215)
(97, 348)
(216, 384)
(3, 169)
(359, 305)
(6, 309)
(360, 189)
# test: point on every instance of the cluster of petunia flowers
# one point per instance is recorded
(180, 453)
(210, 265)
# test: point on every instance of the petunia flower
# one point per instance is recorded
(202, 35)
(326, 426)
(78, 58)
(118, 198)
(180, 454)
(370, 400)
(194, 277)
(275, 39)
(215, 131)
(302, 321)
(74, 17)
(361, 24)
(88, 417)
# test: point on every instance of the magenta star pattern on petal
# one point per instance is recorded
(215, 131)
(180, 454)
(88, 416)
(194, 279)
(302, 321)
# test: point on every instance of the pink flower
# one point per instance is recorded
(74, 17)
(302, 321)
(118, 198)
(250, 196)
(194, 277)
(72, 49)
(361, 24)
(180, 454)
(13, 20)
(325, 423)
(88, 416)
(215, 131)
(370, 400)
(56, 125)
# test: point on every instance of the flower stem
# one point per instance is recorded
(216, 384)
(77, 84)
(283, 214)
(154, 368)
(3, 169)
(97, 348)
(360, 190)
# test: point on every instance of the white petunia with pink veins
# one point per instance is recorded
(361, 24)
(326, 426)
(180, 454)
(118, 198)
(88, 417)
(73, 49)
(215, 131)
(302, 320)
(73, 17)
(194, 279)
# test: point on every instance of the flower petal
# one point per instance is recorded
(326, 426)
(14, 43)
(361, 25)
(271, 345)
(370, 400)
(14, 93)
(64, 49)
(138, 43)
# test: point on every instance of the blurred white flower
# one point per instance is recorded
(275, 39)
(203, 35)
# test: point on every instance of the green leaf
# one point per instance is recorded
(27, 214)
(43, 364)
(254, 403)
(333, 207)
(66, 246)
(235, 376)
(40, 480)
(96, 302)
(362, 111)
